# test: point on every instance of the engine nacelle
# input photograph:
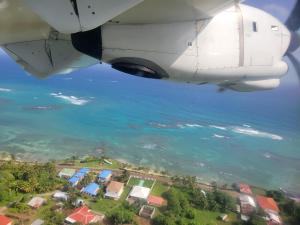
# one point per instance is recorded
(242, 45)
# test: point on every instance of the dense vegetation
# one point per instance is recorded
(185, 198)
(18, 179)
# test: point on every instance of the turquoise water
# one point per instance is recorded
(185, 129)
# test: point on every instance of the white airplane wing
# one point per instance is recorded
(32, 31)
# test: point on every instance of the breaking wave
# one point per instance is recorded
(256, 133)
(5, 90)
(71, 99)
(218, 127)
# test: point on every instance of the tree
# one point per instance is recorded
(121, 216)
(256, 220)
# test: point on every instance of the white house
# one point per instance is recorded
(141, 193)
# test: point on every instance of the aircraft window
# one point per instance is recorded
(254, 26)
(274, 28)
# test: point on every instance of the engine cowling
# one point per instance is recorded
(242, 46)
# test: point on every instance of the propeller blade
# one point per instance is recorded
(293, 22)
(295, 63)
(295, 42)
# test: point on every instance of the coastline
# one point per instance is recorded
(119, 165)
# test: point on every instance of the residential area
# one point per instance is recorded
(99, 192)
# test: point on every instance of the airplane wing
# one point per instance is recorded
(37, 34)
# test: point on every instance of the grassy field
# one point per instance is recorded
(99, 164)
(140, 182)
(159, 189)
(207, 217)
(106, 205)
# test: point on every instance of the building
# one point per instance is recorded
(155, 201)
(104, 176)
(74, 181)
(270, 207)
(85, 171)
(267, 204)
(114, 190)
(139, 193)
(147, 212)
(36, 202)
(92, 189)
(84, 215)
(245, 189)
(248, 206)
(60, 196)
(5, 220)
(66, 173)
(38, 222)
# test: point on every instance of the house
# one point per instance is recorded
(248, 206)
(84, 215)
(74, 181)
(38, 222)
(60, 196)
(114, 190)
(147, 212)
(5, 220)
(36, 202)
(66, 173)
(104, 176)
(139, 193)
(155, 201)
(84, 171)
(92, 189)
(267, 204)
(245, 189)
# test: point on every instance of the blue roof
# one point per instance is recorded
(79, 175)
(91, 189)
(84, 170)
(74, 180)
(104, 174)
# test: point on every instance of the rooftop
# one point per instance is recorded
(36, 202)
(114, 186)
(91, 189)
(155, 200)
(245, 188)
(74, 180)
(140, 192)
(83, 215)
(104, 174)
(84, 170)
(267, 203)
(67, 172)
(4, 220)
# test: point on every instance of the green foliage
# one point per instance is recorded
(88, 178)
(120, 215)
(53, 218)
(278, 196)
(29, 178)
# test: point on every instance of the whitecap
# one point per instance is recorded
(150, 146)
(218, 136)
(256, 133)
(246, 125)
(218, 127)
(5, 90)
(267, 155)
(193, 125)
(71, 99)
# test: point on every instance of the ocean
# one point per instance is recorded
(182, 128)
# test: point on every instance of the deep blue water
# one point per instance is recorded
(186, 129)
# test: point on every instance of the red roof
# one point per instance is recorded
(155, 200)
(267, 203)
(4, 220)
(83, 215)
(245, 188)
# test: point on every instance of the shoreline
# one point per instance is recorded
(163, 176)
